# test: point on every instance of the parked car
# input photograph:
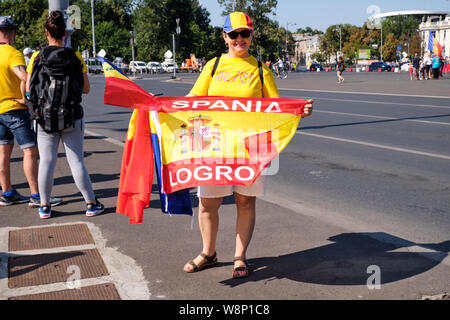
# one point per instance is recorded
(374, 66)
(315, 66)
(120, 63)
(94, 65)
(138, 66)
(168, 67)
(154, 67)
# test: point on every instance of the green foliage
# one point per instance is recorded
(25, 14)
(154, 22)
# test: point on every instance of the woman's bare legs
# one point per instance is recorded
(208, 220)
(245, 223)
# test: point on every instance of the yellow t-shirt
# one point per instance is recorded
(10, 57)
(235, 77)
(33, 56)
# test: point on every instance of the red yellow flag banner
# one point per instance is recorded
(221, 140)
(194, 141)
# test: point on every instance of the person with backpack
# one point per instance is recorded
(340, 68)
(234, 74)
(57, 78)
(15, 120)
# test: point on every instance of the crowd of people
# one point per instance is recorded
(426, 67)
(19, 76)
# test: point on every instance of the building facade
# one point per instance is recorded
(440, 29)
(305, 46)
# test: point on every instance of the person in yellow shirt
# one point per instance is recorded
(236, 74)
(14, 117)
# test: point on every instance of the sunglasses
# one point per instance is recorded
(244, 34)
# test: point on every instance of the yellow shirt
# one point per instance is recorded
(235, 77)
(10, 57)
(33, 56)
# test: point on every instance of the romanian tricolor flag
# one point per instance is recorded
(195, 141)
(433, 45)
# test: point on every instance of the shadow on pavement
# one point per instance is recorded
(346, 261)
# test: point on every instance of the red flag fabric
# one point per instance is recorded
(136, 174)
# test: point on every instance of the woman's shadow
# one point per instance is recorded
(350, 260)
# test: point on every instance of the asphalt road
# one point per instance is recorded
(364, 184)
(382, 160)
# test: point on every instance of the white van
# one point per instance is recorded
(94, 65)
(138, 67)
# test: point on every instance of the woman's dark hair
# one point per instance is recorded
(55, 24)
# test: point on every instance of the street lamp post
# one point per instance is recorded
(381, 54)
(178, 31)
(94, 51)
(340, 40)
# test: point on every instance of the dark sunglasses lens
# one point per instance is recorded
(233, 34)
(244, 34)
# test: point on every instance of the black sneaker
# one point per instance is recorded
(36, 203)
(94, 209)
(45, 212)
(16, 198)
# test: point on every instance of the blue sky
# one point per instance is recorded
(320, 14)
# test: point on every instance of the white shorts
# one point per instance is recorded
(255, 190)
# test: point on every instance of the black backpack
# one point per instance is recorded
(56, 86)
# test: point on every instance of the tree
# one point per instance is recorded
(390, 47)
(155, 22)
(309, 30)
(25, 14)
(330, 43)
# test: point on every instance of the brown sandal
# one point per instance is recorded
(241, 272)
(210, 261)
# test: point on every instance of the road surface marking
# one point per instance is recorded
(367, 93)
(376, 145)
(380, 102)
(111, 140)
(384, 118)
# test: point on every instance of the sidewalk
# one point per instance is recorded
(102, 159)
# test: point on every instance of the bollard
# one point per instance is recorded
(379, 69)
(349, 69)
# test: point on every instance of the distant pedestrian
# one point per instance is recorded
(428, 64)
(411, 71)
(436, 66)
(422, 70)
(27, 52)
(47, 64)
(416, 65)
(340, 68)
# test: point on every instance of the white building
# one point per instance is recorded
(440, 29)
(305, 46)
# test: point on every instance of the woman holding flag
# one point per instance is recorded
(234, 74)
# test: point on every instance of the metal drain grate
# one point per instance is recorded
(50, 237)
(105, 291)
(49, 268)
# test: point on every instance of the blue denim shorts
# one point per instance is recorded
(17, 124)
